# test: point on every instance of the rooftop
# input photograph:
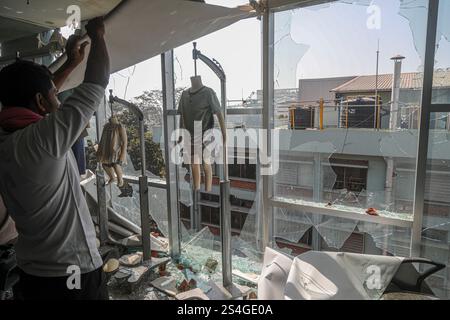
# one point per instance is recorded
(410, 80)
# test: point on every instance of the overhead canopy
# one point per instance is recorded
(287, 4)
(142, 29)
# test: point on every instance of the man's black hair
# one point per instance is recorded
(21, 81)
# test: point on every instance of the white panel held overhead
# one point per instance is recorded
(290, 4)
(142, 29)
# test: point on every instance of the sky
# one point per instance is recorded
(322, 41)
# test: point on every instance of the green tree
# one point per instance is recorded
(154, 157)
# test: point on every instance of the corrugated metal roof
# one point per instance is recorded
(411, 80)
(314, 89)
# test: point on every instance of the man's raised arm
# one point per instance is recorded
(60, 130)
(98, 65)
(75, 51)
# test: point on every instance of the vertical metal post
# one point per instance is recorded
(393, 125)
(317, 195)
(143, 195)
(346, 115)
(424, 127)
(196, 218)
(102, 209)
(225, 223)
(268, 51)
(173, 217)
(225, 216)
(378, 113)
(195, 59)
(223, 86)
(376, 84)
(143, 180)
(395, 99)
(100, 118)
(340, 113)
(322, 106)
(225, 210)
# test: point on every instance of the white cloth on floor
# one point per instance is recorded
(325, 276)
(274, 275)
(340, 276)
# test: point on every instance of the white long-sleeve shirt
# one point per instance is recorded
(40, 185)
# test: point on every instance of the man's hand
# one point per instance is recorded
(75, 50)
(98, 65)
(96, 28)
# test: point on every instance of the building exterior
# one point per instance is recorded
(352, 167)
(410, 94)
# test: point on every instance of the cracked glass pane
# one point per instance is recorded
(285, 250)
(441, 81)
(127, 207)
(436, 226)
(346, 105)
(291, 225)
(202, 252)
(385, 239)
(335, 231)
(158, 209)
(246, 201)
(185, 187)
(127, 85)
(199, 210)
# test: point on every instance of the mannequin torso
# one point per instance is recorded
(197, 84)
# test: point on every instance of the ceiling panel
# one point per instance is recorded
(142, 29)
(23, 19)
(12, 29)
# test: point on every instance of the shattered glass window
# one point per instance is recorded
(436, 220)
(441, 80)
(123, 204)
(348, 83)
(200, 211)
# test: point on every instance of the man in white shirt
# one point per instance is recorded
(39, 180)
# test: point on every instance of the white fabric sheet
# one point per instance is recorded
(274, 275)
(142, 29)
(325, 276)
(340, 276)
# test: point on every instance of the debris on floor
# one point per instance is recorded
(111, 266)
(211, 264)
(372, 212)
(248, 277)
(167, 285)
(131, 260)
(195, 275)
(195, 294)
(218, 292)
(253, 296)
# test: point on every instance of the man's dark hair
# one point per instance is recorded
(21, 81)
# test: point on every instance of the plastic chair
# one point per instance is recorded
(409, 279)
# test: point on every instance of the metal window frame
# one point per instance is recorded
(268, 203)
(424, 127)
(268, 86)
(427, 109)
(436, 108)
(172, 176)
